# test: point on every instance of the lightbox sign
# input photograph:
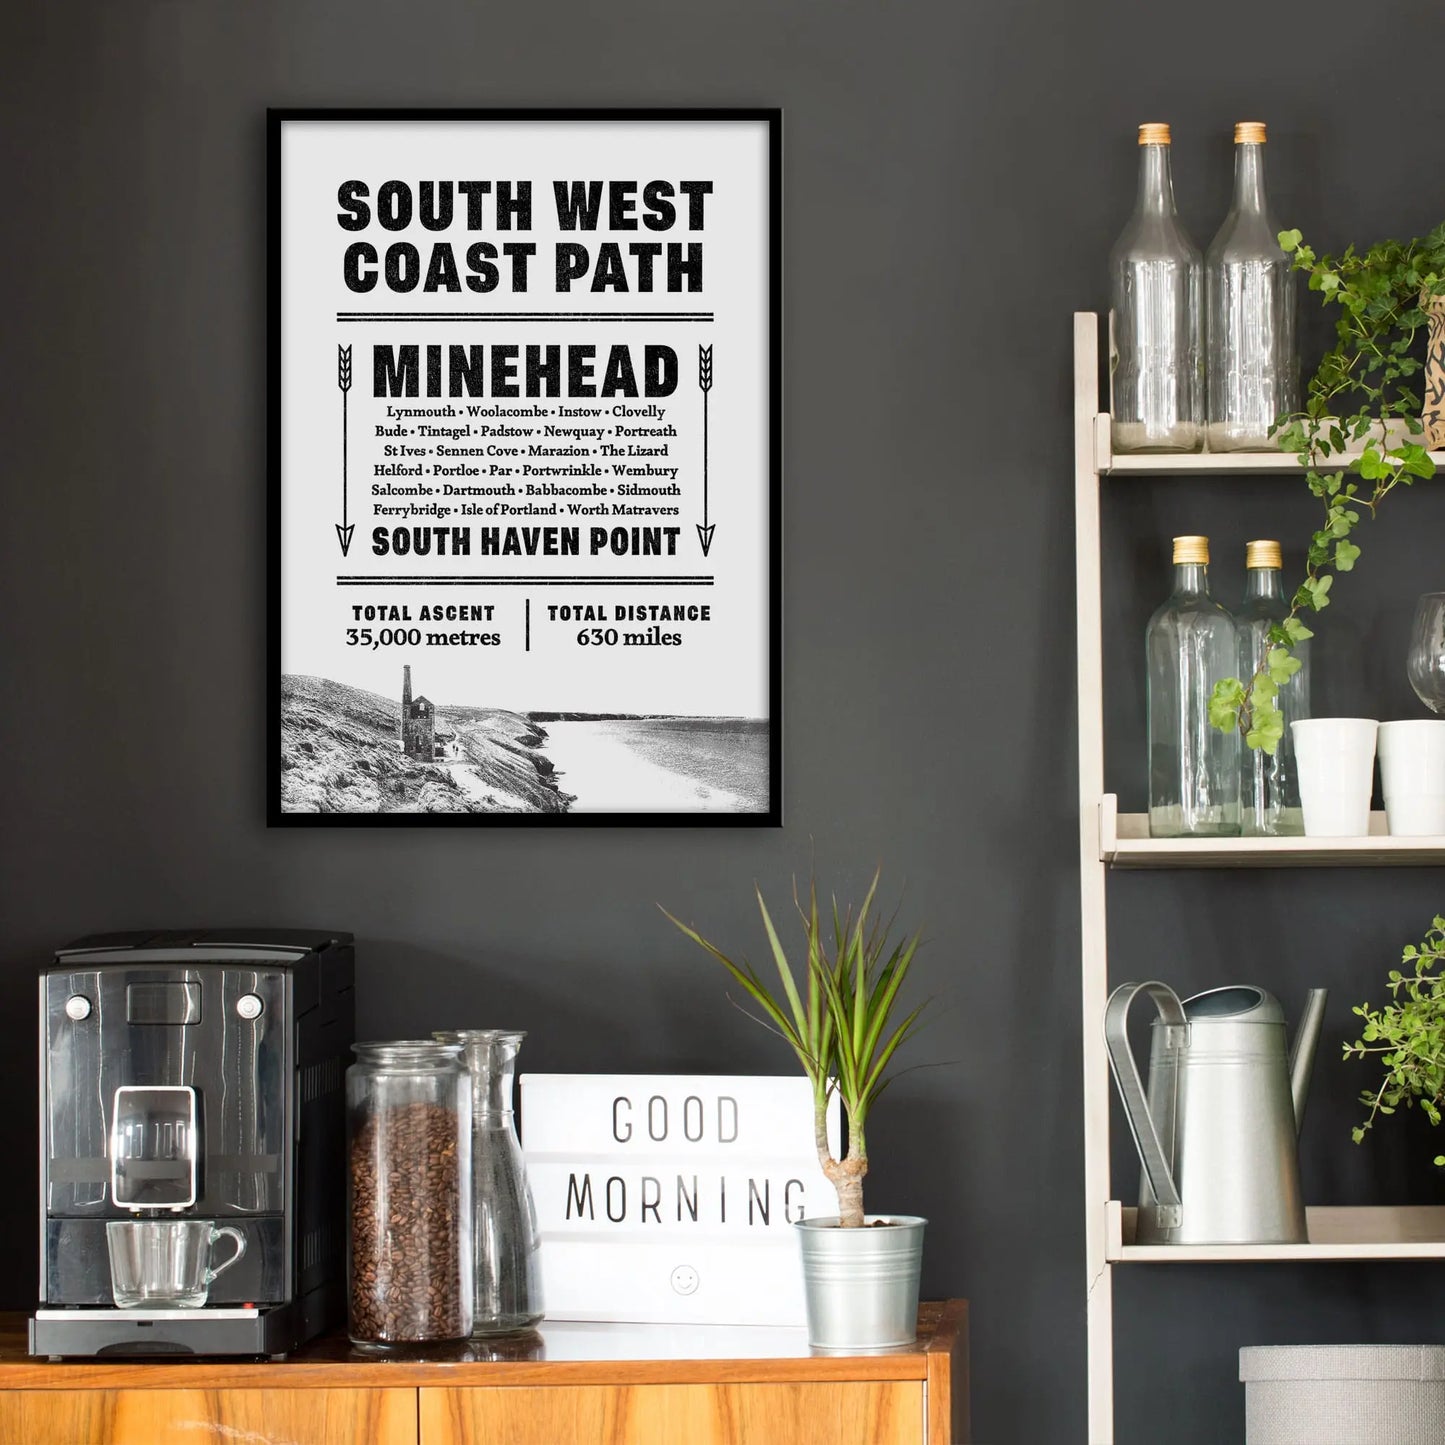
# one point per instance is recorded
(671, 1198)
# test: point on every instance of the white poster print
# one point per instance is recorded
(525, 491)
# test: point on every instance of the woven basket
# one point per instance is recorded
(1434, 414)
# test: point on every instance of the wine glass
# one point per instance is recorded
(1426, 666)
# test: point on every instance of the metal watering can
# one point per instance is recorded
(1218, 1134)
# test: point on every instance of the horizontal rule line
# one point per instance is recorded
(527, 316)
(524, 581)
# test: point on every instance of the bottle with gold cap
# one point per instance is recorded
(1194, 769)
(1270, 805)
(1156, 326)
(1253, 366)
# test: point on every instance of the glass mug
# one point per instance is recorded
(165, 1263)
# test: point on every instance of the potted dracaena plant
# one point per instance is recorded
(839, 1011)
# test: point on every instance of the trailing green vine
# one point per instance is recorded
(1409, 1036)
(1381, 294)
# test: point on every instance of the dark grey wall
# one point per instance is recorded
(955, 174)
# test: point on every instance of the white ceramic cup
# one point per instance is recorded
(1336, 761)
(1412, 776)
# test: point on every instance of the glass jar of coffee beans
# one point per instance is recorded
(408, 1139)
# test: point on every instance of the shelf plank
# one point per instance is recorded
(1124, 842)
(1158, 464)
(1155, 464)
(1400, 1232)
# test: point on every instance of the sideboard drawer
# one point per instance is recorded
(843, 1412)
(201, 1417)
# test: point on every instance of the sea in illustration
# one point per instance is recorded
(662, 765)
(348, 750)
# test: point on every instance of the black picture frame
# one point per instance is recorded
(278, 120)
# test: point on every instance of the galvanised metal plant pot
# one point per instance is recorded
(862, 1284)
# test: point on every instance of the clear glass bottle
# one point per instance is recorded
(1193, 767)
(409, 1195)
(507, 1276)
(1271, 803)
(1156, 338)
(1253, 364)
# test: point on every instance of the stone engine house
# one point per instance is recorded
(418, 723)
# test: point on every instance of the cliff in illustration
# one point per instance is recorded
(342, 752)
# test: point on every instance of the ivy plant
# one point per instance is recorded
(1408, 1035)
(1353, 457)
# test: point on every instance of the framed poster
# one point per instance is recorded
(525, 467)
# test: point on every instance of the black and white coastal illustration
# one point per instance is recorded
(347, 750)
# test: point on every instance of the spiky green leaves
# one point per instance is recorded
(805, 1025)
(861, 982)
(839, 1008)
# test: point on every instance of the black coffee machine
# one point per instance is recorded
(195, 1075)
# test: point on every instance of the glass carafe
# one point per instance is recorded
(1156, 284)
(1253, 368)
(1270, 806)
(506, 1255)
(1193, 767)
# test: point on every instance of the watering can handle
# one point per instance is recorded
(1155, 1152)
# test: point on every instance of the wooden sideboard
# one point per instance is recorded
(570, 1384)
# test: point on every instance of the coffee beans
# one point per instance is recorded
(408, 1226)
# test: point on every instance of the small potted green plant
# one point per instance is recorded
(1408, 1035)
(839, 1011)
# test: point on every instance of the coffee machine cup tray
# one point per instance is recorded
(205, 1312)
(172, 1333)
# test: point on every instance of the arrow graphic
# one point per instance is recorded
(343, 380)
(704, 380)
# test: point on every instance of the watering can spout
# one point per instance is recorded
(1302, 1052)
